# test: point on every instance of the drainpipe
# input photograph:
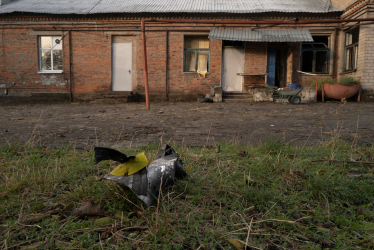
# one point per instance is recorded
(70, 84)
(272, 25)
(166, 65)
(261, 22)
(335, 55)
(145, 64)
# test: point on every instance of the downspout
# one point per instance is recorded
(166, 65)
(261, 22)
(335, 56)
(145, 64)
(70, 83)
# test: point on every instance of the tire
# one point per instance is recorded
(296, 100)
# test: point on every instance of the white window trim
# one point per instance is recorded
(50, 71)
(351, 45)
(40, 49)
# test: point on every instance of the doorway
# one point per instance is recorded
(277, 67)
(232, 64)
(121, 64)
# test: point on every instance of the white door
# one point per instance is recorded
(121, 66)
(233, 63)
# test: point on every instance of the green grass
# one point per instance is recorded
(274, 197)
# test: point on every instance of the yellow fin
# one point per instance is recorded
(132, 166)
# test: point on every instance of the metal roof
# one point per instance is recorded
(268, 35)
(167, 6)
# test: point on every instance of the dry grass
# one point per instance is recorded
(269, 197)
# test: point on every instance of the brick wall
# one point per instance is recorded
(190, 83)
(343, 3)
(91, 62)
(255, 63)
(368, 57)
(365, 70)
(19, 52)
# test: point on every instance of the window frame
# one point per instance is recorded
(40, 49)
(352, 47)
(196, 53)
(315, 50)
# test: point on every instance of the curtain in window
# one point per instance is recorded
(192, 62)
(196, 56)
(197, 42)
(202, 61)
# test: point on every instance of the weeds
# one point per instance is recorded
(268, 197)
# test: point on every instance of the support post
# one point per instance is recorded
(70, 84)
(166, 65)
(315, 98)
(145, 66)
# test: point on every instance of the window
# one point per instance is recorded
(196, 54)
(50, 54)
(351, 49)
(315, 56)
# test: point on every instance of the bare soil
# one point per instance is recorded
(109, 123)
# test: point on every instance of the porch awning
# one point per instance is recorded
(269, 35)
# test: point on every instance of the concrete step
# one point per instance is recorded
(236, 95)
(228, 100)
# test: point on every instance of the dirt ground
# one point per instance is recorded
(110, 123)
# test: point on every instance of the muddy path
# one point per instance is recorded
(84, 125)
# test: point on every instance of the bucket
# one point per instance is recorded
(292, 86)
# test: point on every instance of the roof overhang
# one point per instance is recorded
(269, 35)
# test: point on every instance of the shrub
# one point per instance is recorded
(324, 81)
(349, 81)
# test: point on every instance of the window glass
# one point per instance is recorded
(202, 60)
(315, 55)
(45, 42)
(57, 42)
(355, 36)
(322, 41)
(196, 54)
(307, 46)
(348, 58)
(57, 59)
(190, 61)
(46, 61)
(196, 42)
(321, 61)
(50, 53)
(307, 65)
(351, 49)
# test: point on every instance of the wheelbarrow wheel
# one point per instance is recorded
(295, 99)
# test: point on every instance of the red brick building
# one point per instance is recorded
(91, 49)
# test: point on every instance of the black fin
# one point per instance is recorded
(102, 154)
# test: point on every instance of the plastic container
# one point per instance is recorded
(292, 86)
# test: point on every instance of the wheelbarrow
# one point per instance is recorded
(290, 95)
